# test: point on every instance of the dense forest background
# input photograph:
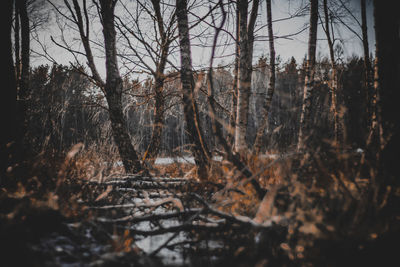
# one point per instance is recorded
(77, 113)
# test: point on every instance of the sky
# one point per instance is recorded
(295, 46)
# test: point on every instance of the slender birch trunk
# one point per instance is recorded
(17, 42)
(232, 117)
(271, 85)
(23, 68)
(246, 39)
(305, 117)
(159, 102)
(334, 105)
(215, 120)
(244, 78)
(368, 71)
(200, 150)
(158, 123)
(25, 49)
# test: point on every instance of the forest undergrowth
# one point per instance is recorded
(324, 204)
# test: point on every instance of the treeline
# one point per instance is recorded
(65, 108)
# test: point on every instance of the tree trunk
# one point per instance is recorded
(271, 85)
(25, 49)
(387, 34)
(8, 96)
(83, 26)
(232, 116)
(119, 128)
(367, 63)
(84, 34)
(159, 102)
(113, 91)
(158, 123)
(371, 92)
(23, 68)
(246, 39)
(200, 150)
(334, 106)
(305, 117)
(17, 41)
(215, 120)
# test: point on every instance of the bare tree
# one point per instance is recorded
(305, 119)
(8, 95)
(371, 94)
(246, 40)
(163, 28)
(25, 48)
(216, 121)
(387, 80)
(200, 149)
(112, 87)
(327, 26)
(17, 49)
(22, 60)
(232, 115)
(166, 38)
(271, 85)
(342, 12)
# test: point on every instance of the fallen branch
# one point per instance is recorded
(187, 222)
(150, 217)
(173, 229)
(238, 219)
(177, 202)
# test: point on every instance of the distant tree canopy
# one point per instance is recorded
(78, 109)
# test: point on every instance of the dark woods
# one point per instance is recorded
(78, 112)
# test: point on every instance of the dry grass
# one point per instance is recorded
(173, 170)
(319, 196)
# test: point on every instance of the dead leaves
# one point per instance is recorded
(104, 194)
(265, 209)
(125, 243)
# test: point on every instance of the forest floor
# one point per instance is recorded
(170, 218)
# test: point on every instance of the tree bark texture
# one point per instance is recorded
(334, 105)
(22, 72)
(158, 123)
(387, 34)
(200, 150)
(216, 121)
(271, 85)
(8, 95)
(113, 91)
(305, 117)
(17, 41)
(25, 49)
(159, 102)
(246, 39)
(232, 116)
(83, 24)
(367, 61)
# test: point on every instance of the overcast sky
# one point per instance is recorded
(295, 46)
